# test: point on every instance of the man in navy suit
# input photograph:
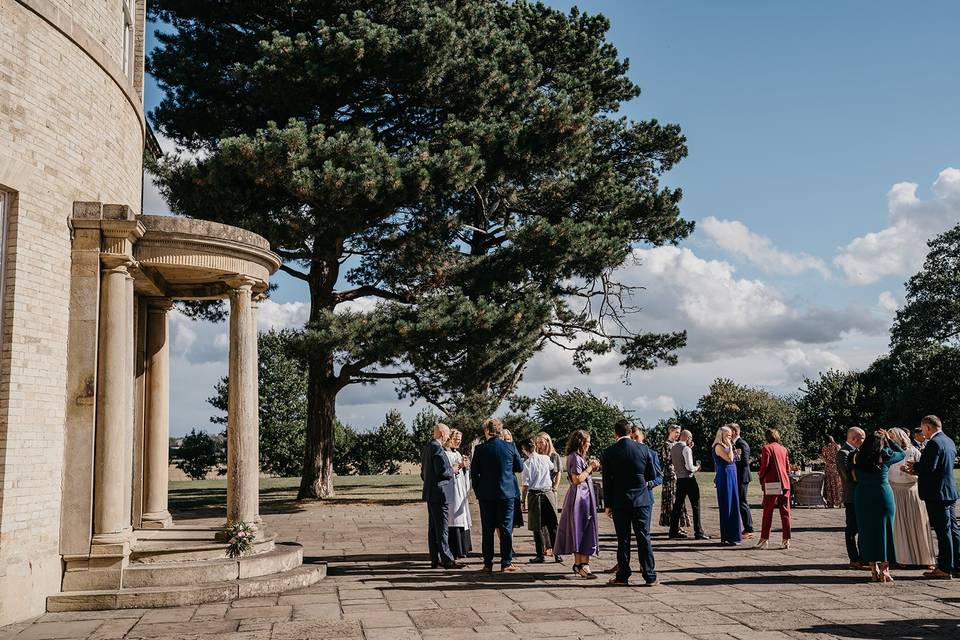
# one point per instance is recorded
(630, 472)
(743, 478)
(934, 471)
(436, 473)
(492, 472)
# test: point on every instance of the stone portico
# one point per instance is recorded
(120, 546)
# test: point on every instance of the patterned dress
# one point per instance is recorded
(670, 490)
(832, 482)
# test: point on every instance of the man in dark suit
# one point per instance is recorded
(493, 472)
(629, 474)
(436, 473)
(938, 491)
(855, 437)
(743, 476)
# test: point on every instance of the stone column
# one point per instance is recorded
(112, 475)
(243, 464)
(156, 439)
(257, 299)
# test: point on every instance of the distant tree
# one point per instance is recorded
(422, 427)
(752, 408)
(829, 405)
(460, 156)
(283, 405)
(346, 437)
(931, 312)
(560, 413)
(198, 454)
(912, 382)
(394, 444)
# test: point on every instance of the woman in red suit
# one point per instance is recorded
(775, 483)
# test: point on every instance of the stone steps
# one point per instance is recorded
(182, 595)
(170, 548)
(283, 557)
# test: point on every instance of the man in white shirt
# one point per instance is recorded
(687, 487)
(538, 496)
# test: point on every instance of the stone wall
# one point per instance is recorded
(70, 129)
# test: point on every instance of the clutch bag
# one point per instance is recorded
(772, 489)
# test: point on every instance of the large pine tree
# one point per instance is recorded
(459, 163)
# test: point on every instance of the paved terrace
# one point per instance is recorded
(380, 588)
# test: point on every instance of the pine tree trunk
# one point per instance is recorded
(317, 479)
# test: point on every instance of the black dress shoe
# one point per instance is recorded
(702, 536)
(678, 536)
(558, 559)
(537, 560)
(454, 565)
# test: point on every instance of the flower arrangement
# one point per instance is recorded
(240, 537)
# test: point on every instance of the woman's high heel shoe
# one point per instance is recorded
(785, 544)
(763, 544)
(576, 568)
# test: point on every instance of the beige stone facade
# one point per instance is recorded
(71, 128)
(87, 283)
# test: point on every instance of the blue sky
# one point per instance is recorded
(806, 122)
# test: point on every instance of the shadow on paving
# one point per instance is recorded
(922, 629)
(779, 578)
(758, 569)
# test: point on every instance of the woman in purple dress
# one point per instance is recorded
(727, 493)
(577, 531)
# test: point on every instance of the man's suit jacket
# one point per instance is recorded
(844, 456)
(493, 470)
(434, 469)
(630, 471)
(935, 470)
(743, 464)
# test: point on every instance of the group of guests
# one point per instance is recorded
(895, 490)
(731, 456)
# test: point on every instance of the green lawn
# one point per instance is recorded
(207, 498)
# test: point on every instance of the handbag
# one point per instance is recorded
(773, 488)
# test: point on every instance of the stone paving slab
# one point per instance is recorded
(380, 587)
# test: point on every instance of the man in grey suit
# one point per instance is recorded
(855, 437)
(436, 473)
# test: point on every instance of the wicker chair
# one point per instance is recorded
(808, 490)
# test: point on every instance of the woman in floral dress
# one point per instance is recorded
(832, 484)
(670, 481)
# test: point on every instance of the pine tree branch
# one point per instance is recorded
(293, 272)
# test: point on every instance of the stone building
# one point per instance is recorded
(86, 281)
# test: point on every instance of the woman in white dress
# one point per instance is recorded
(457, 492)
(911, 525)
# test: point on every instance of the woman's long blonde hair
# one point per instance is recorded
(718, 439)
(453, 433)
(544, 437)
(899, 436)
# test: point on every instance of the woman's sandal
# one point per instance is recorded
(584, 572)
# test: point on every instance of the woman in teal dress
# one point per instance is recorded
(873, 501)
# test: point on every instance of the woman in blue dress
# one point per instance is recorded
(873, 501)
(728, 501)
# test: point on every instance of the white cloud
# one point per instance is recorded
(658, 403)
(282, 315)
(724, 314)
(888, 301)
(899, 249)
(735, 238)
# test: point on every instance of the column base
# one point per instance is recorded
(158, 520)
(102, 568)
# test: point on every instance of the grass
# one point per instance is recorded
(208, 498)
